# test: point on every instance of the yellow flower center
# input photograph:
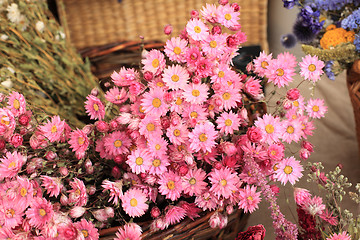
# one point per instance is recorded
(195, 93)
(192, 181)
(296, 103)
(156, 162)
(176, 132)
(155, 63)
(269, 128)
(160, 84)
(16, 104)
(290, 129)
(53, 129)
(264, 64)
(213, 44)
(221, 74)
(171, 185)
(249, 174)
(223, 182)
(250, 198)
(228, 122)
(197, 29)
(180, 148)
(85, 233)
(228, 16)
(226, 96)
(42, 212)
(288, 169)
(202, 137)
(11, 165)
(211, 107)
(280, 72)
(275, 167)
(117, 143)
(150, 127)
(96, 107)
(312, 67)
(3, 121)
(294, 116)
(133, 202)
(156, 102)
(194, 114)
(177, 50)
(141, 109)
(273, 152)
(23, 192)
(81, 140)
(10, 211)
(178, 101)
(229, 83)
(315, 108)
(139, 161)
(175, 78)
(157, 146)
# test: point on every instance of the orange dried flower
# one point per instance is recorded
(335, 36)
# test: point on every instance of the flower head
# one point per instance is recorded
(288, 170)
(224, 182)
(311, 68)
(94, 107)
(197, 29)
(134, 202)
(249, 198)
(40, 212)
(203, 137)
(88, 230)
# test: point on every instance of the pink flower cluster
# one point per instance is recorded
(176, 146)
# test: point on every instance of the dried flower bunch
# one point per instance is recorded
(184, 142)
(40, 62)
(329, 30)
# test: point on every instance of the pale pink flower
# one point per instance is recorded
(16, 103)
(153, 102)
(40, 212)
(316, 108)
(139, 161)
(11, 213)
(193, 182)
(253, 87)
(154, 62)
(224, 182)
(197, 29)
(7, 123)
(194, 113)
(116, 95)
(88, 230)
(11, 164)
(339, 236)
(261, 63)
(214, 45)
(115, 189)
(192, 56)
(150, 126)
(195, 93)
(229, 96)
(130, 231)
(23, 192)
(279, 72)
(175, 49)
(52, 185)
(158, 146)
(125, 77)
(289, 58)
(177, 134)
(270, 127)
(53, 129)
(203, 137)
(314, 206)
(292, 130)
(228, 122)
(78, 194)
(174, 214)
(276, 152)
(79, 141)
(170, 185)
(311, 68)
(117, 143)
(209, 12)
(227, 16)
(134, 202)
(249, 199)
(94, 107)
(175, 77)
(206, 201)
(288, 170)
(158, 165)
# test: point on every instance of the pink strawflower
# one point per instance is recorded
(88, 230)
(249, 198)
(175, 77)
(253, 87)
(125, 77)
(52, 185)
(197, 29)
(270, 127)
(6, 233)
(193, 182)
(154, 62)
(289, 170)
(7, 123)
(328, 217)
(222, 73)
(311, 68)
(261, 63)
(11, 213)
(116, 95)
(276, 152)
(130, 231)
(206, 201)
(341, 236)
(195, 93)
(115, 189)
(170, 185)
(175, 49)
(174, 214)
(134, 202)
(191, 209)
(314, 206)
(177, 134)
(289, 58)
(16, 103)
(301, 196)
(11, 164)
(227, 16)
(158, 165)
(214, 45)
(228, 122)
(22, 193)
(292, 131)
(204, 68)
(192, 56)
(316, 108)
(139, 161)
(194, 113)
(178, 102)
(153, 102)
(78, 194)
(94, 107)
(209, 12)
(158, 146)
(79, 142)
(279, 72)
(117, 143)
(150, 126)
(53, 130)
(203, 137)
(223, 182)
(40, 212)
(229, 96)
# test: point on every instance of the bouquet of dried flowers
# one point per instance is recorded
(329, 30)
(39, 61)
(185, 138)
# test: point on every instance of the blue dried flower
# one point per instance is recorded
(357, 42)
(289, 4)
(352, 21)
(328, 70)
(334, 5)
(288, 40)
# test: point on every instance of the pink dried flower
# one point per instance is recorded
(168, 29)
(40, 212)
(174, 214)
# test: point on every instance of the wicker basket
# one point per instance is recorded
(353, 84)
(91, 23)
(188, 229)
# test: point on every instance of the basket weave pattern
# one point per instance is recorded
(92, 23)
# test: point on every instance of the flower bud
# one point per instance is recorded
(2, 144)
(223, 2)
(90, 170)
(64, 200)
(116, 172)
(308, 146)
(229, 209)
(109, 212)
(216, 30)
(168, 29)
(148, 76)
(155, 212)
(223, 221)
(77, 211)
(183, 170)
(254, 134)
(95, 92)
(50, 155)
(235, 6)
(293, 94)
(304, 154)
(16, 140)
(64, 171)
(228, 148)
(214, 220)
(119, 159)
(24, 119)
(194, 14)
(91, 190)
(100, 215)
